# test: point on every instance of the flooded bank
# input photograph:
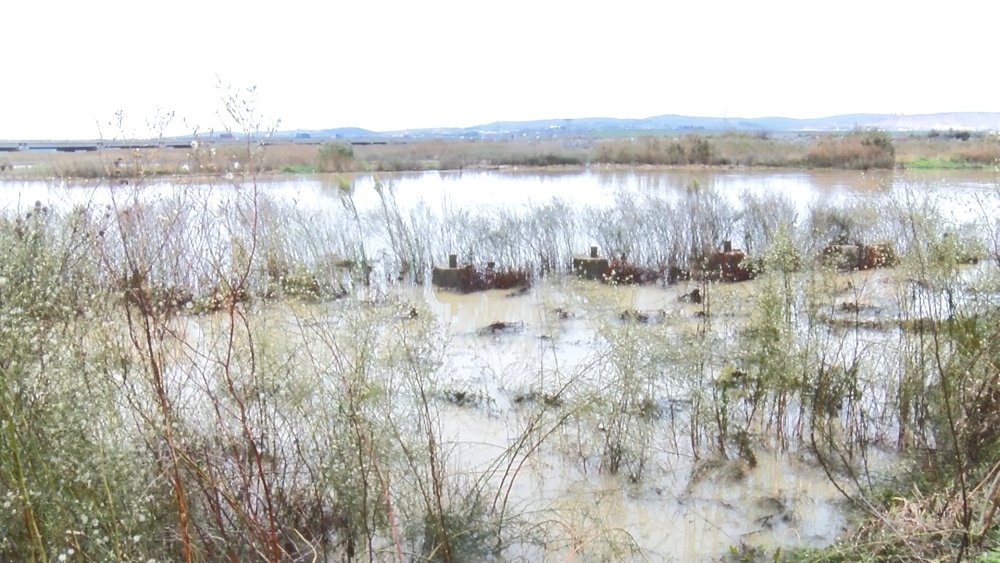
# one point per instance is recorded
(282, 351)
(685, 504)
(525, 413)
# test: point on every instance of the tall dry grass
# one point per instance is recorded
(225, 157)
(977, 150)
(833, 150)
(856, 151)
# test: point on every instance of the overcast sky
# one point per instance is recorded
(68, 66)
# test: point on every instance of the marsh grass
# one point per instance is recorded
(936, 152)
(216, 157)
(861, 150)
(457, 155)
(691, 149)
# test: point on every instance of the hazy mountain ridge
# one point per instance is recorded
(969, 121)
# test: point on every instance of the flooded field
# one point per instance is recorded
(263, 367)
(672, 505)
(519, 189)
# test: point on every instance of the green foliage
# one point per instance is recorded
(298, 169)
(53, 383)
(991, 556)
(626, 408)
(543, 159)
(336, 157)
(769, 362)
(924, 163)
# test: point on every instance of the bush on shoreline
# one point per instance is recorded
(858, 151)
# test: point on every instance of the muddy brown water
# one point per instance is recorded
(681, 508)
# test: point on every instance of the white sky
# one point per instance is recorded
(67, 66)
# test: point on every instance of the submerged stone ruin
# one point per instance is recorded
(591, 267)
(728, 265)
(468, 278)
(858, 256)
(615, 270)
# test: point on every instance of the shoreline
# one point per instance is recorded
(851, 151)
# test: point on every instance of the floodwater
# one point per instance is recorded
(519, 189)
(681, 509)
(681, 506)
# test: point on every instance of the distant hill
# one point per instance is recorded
(597, 126)
(967, 121)
(335, 133)
(608, 127)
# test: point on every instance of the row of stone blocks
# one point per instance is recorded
(727, 264)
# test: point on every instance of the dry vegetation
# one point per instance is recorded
(855, 150)
(943, 152)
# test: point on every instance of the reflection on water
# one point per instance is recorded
(518, 189)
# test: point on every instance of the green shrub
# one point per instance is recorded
(336, 157)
